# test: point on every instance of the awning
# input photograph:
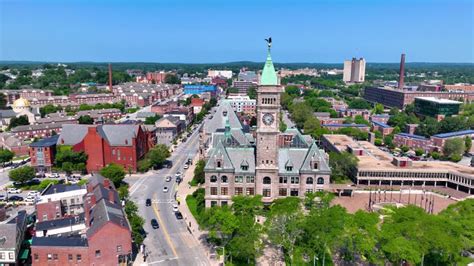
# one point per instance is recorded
(24, 254)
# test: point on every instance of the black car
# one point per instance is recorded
(148, 202)
(178, 215)
(154, 224)
(15, 198)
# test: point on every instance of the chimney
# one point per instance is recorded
(107, 183)
(111, 196)
(110, 77)
(401, 81)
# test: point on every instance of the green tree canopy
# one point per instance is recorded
(6, 155)
(22, 174)
(18, 121)
(114, 172)
(454, 146)
(85, 120)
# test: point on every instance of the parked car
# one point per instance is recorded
(31, 199)
(178, 215)
(2, 197)
(154, 224)
(190, 161)
(178, 180)
(178, 174)
(12, 190)
(168, 164)
(175, 207)
(165, 189)
(186, 166)
(15, 198)
(33, 193)
(148, 202)
(55, 175)
(168, 178)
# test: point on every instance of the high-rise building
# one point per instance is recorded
(354, 70)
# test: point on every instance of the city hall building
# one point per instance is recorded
(270, 163)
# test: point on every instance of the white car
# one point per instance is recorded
(178, 174)
(175, 207)
(165, 189)
(168, 179)
(31, 199)
(186, 166)
(12, 190)
(33, 193)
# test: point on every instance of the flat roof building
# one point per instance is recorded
(431, 106)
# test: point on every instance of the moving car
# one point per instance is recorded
(168, 179)
(33, 193)
(12, 190)
(175, 207)
(178, 215)
(148, 202)
(31, 199)
(154, 224)
(15, 198)
(165, 189)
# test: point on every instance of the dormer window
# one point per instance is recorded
(218, 163)
(289, 168)
(315, 165)
(244, 167)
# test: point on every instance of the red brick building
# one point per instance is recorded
(106, 241)
(42, 153)
(104, 144)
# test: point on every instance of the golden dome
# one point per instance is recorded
(22, 102)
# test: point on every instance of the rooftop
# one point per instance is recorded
(47, 142)
(437, 100)
(62, 241)
(454, 134)
(412, 136)
(60, 188)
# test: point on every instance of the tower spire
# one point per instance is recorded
(269, 76)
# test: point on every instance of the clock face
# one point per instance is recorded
(268, 119)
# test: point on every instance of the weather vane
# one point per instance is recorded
(269, 42)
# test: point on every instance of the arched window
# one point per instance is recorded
(218, 164)
(224, 179)
(213, 179)
(267, 180)
(309, 181)
(320, 180)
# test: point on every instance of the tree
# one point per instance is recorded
(68, 160)
(172, 79)
(404, 148)
(435, 155)
(342, 165)
(252, 93)
(199, 172)
(18, 121)
(85, 120)
(114, 172)
(292, 90)
(378, 109)
(419, 151)
(467, 144)
(359, 103)
(152, 119)
(22, 174)
(6, 155)
(388, 140)
(454, 146)
(158, 154)
(48, 109)
(358, 119)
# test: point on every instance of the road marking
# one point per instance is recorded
(160, 261)
(165, 231)
(137, 184)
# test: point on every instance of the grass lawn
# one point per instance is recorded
(192, 205)
(19, 158)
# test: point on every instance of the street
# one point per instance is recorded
(171, 243)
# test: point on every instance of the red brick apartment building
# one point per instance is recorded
(104, 144)
(107, 238)
(42, 153)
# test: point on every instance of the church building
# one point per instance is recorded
(270, 163)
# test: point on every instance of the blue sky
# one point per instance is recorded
(203, 31)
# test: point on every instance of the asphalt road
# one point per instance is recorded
(171, 244)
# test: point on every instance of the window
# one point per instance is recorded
(55, 256)
(119, 248)
(69, 257)
(267, 180)
(224, 191)
(224, 203)
(244, 167)
(250, 179)
(309, 180)
(224, 179)
(79, 257)
(2, 256)
(309, 190)
(289, 168)
(97, 253)
(283, 180)
(213, 203)
(35, 256)
(315, 165)
(267, 192)
(320, 181)
(218, 164)
(213, 179)
(295, 180)
(294, 192)
(213, 191)
(239, 191)
(45, 217)
(239, 179)
(11, 256)
(282, 192)
(50, 256)
(250, 191)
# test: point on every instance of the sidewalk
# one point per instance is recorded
(193, 227)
